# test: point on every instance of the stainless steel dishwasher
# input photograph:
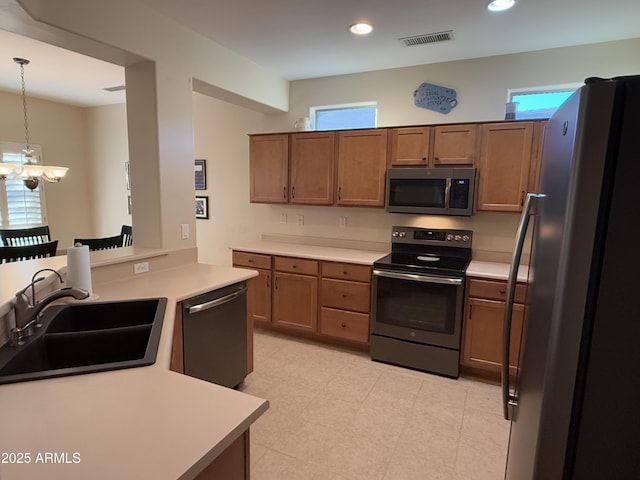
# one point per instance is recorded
(214, 335)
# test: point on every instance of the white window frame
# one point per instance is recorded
(17, 148)
(313, 111)
(541, 89)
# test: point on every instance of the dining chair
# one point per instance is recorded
(27, 252)
(103, 243)
(15, 237)
(127, 235)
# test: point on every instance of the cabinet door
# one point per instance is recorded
(482, 347)
(269, 168)
(454, 145)
(312, 168)
(505, 161)
(259, 297)
(295, 301)
(409, 146)
(362, 163)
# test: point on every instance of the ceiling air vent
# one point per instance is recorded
(115, 89)
(427, 38)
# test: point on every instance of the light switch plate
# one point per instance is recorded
(185, 231)
(300, 219)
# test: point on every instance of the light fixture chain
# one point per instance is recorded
(24, 108)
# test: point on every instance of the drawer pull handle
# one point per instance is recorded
(344, 295)
(294, 266)
(251, 260)
(503, 291)
(344, 325)
(345, 273)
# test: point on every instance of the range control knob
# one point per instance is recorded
(465, 238)
(449, 237)
(457, 238)
(394, 233)
(403, 234)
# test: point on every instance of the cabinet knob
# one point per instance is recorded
(424, 159)
(436, 159)
(343, 325)
(284, 192)
(250, 260)
(344, 295)
(345, 273)
(294, 266)
(502, 290)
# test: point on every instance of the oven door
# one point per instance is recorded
(419, 308)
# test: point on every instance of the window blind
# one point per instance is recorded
(20, 207)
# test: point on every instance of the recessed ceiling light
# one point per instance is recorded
(500, 5)
(360, 28)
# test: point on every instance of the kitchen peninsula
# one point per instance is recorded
(146, 422)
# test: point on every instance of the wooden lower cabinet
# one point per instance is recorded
(258, 294)
(232, 464)
(484, 320)
(345, 301)
(295, 301)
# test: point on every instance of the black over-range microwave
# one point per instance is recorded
(431, 191)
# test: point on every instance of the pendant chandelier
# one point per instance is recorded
(30, 171)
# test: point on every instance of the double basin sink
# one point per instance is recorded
(87, 338)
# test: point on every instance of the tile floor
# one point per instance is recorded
(336, 415)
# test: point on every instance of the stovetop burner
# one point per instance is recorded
(433, 251)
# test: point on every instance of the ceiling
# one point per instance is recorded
(303, 39)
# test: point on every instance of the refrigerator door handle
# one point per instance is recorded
(509, 400)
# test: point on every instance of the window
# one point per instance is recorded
(351, 115)
(19, 206)
(541, 102)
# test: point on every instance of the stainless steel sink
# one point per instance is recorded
(87, 338)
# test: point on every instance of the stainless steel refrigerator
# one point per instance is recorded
(574, 404)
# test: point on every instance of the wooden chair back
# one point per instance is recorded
(15, 237)
(27, 252)
(100, 243)
(127, 235)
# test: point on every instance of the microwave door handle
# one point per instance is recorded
(447, 193)
(509, 401)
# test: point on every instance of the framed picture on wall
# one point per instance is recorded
(128, 175)
(202, 207)
(201, 174)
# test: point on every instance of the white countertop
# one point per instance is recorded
(496, 271)
(492, 270)
(332, 254)
(137, 423)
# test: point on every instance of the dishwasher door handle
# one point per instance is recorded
(217, 302)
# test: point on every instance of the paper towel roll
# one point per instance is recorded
(79, 268)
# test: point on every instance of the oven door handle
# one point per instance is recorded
(419, 278)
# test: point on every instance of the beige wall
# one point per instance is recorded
(220, 137)
(61, 131)
(108, 151)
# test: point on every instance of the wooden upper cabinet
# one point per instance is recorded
(269, 168)
(505, 162)
(409, 146)
(312, 168)
(362, 163)
(454, 145)
(536, 157)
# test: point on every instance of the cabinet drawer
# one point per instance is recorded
(252, 260)
(296, 265)
(346, 271)
(348, 325)
(346, 295)
(494, 290)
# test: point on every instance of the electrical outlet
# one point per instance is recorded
(300, 219)
(185, 231)
(283, 218)
(142, 267)
(343, 221)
